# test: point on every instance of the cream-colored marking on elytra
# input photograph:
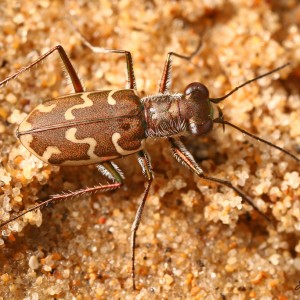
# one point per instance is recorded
(50, 150)
(24, 126)
(45, 109)
(26, 140)
(135, 92)
(115, 138)
(70, 136)
(87, 103)
(110, 99)
(87, 161)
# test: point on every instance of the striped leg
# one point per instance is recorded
(66, 61)
(144, 161)
(108, 169)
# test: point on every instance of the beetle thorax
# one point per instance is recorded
(163, 116)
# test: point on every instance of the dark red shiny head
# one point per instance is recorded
(197, 109)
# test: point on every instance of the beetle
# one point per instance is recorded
(96, 127)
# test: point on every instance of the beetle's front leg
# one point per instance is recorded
(184, 156)
(165, 81)
(144, 161)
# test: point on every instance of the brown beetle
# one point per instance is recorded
(99, 126)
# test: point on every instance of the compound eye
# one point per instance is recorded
(197, 89)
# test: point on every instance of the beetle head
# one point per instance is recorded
(199, 110)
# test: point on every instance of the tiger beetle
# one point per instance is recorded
(99, 126)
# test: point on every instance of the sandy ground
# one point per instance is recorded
(196, 240)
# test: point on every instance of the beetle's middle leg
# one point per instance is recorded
(130, 78)
(144, 161)
(108, 169)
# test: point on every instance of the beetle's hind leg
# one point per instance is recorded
(108, 169)
(66, 61)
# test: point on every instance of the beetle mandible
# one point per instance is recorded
(99, 126)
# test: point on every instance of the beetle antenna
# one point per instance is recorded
(221, 121)
(217, 100)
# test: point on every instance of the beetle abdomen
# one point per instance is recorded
(70, 130)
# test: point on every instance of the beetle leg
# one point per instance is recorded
(66, 61)
(184, 156)
(130, 78)
(111, 172)
(165, 81)
(144, 161)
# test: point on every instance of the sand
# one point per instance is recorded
(197, 240)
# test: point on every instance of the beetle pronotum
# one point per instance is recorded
(69, 130)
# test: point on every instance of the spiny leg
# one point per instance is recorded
(165, 81)
(184, 156)
(144, 161)
(130, 78)
(179, 150)
(108, 169)
(66, 61)
(111, 171)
